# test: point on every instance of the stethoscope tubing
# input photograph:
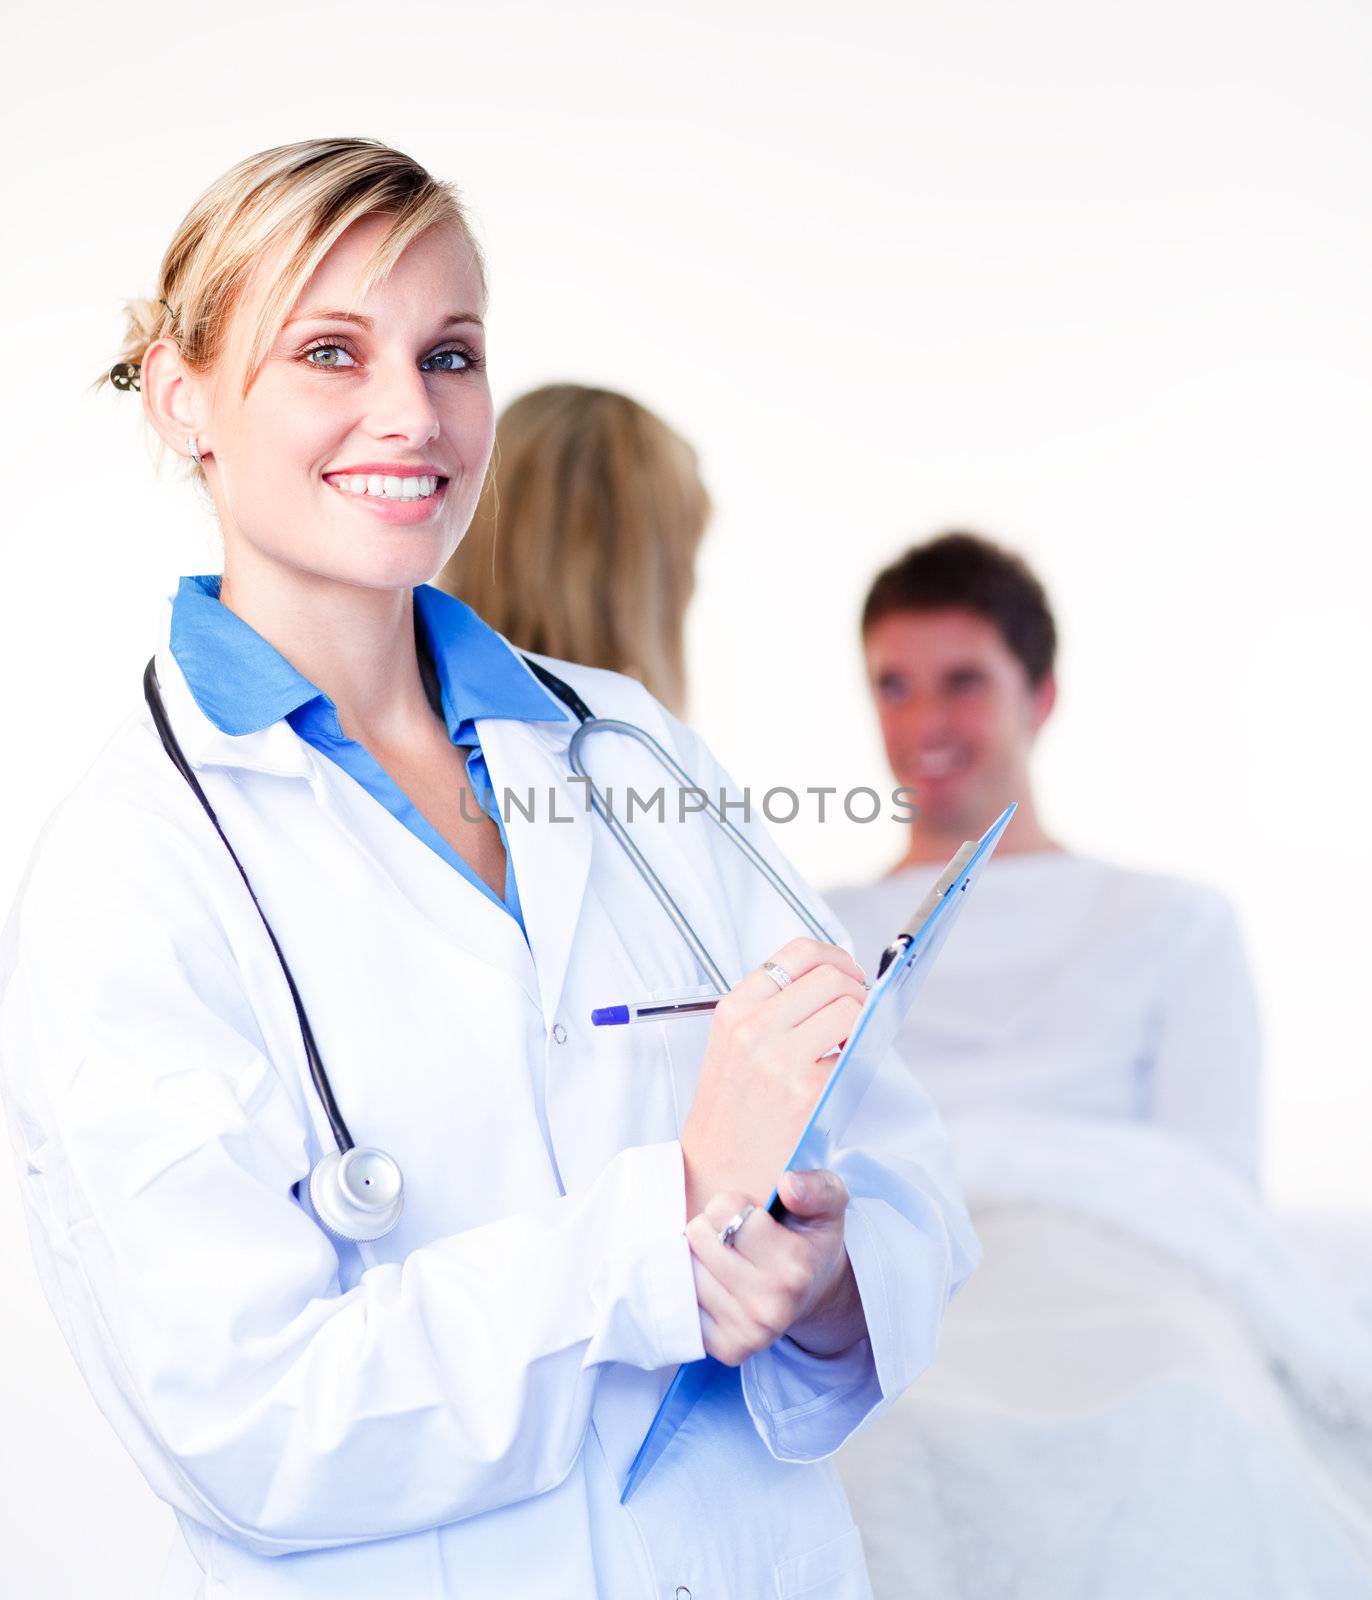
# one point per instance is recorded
(590, 725)
(337, 1126)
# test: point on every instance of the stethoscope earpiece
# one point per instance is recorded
(357, 1194)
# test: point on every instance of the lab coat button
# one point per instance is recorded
(559, 1033)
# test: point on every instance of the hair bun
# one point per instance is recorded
(144, 321)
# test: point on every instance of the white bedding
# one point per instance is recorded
(1144, 1392)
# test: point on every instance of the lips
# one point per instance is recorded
(396, 469)
(398, 498)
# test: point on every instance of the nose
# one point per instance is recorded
(400, 406)
(922, 720)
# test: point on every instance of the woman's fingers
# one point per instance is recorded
(796, 959)
(810, 993)
(755, 1286)
(819, 1196)
(760, 1024)
(729, 1334)
(727, 1261)
(801, 954)
(829, 1026)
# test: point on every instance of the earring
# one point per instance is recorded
(194, 449)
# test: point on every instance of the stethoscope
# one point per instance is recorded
(358, 1191)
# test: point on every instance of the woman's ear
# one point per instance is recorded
(172, 398)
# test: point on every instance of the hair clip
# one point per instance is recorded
(126, 375)
(170, 312)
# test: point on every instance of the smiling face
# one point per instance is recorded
(359, 451)
(957, 713)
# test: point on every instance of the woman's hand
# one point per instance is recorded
(774, 1278)
(762, 1071)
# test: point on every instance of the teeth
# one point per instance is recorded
(387, 487)
(937, 763)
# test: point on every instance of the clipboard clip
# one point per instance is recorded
(942, 884)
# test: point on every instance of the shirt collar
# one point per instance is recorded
(480, 673)
(243, 684)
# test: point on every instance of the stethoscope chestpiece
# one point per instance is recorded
(357, 1194)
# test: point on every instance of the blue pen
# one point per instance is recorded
(654, 1010)
(658, 1010)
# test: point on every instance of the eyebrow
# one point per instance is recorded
(366, 322)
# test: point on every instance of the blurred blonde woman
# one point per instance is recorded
(584, 543)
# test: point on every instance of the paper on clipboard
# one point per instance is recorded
(887, 1006)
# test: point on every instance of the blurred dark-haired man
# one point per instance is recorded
(1075, 986)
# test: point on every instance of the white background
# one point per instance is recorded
(1090, 277)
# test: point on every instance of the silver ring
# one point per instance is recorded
(732, 1226)
(777, 974)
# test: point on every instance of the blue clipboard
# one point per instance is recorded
(904, 966)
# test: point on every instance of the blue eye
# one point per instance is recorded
(455, 361)
(335, 356)
(328, 354)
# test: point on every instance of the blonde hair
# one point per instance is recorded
(284, 208)
(583, 544)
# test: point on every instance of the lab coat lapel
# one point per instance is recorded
(552, 848)
(400, 861)
(482, 929)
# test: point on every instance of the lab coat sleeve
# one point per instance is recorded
(158, 1147)
(907, 1232)
(1206, 1065)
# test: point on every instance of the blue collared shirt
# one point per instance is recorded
(243, 684)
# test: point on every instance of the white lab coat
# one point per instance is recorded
(448, 1412)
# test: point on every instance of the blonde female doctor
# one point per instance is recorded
(449, 1409)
